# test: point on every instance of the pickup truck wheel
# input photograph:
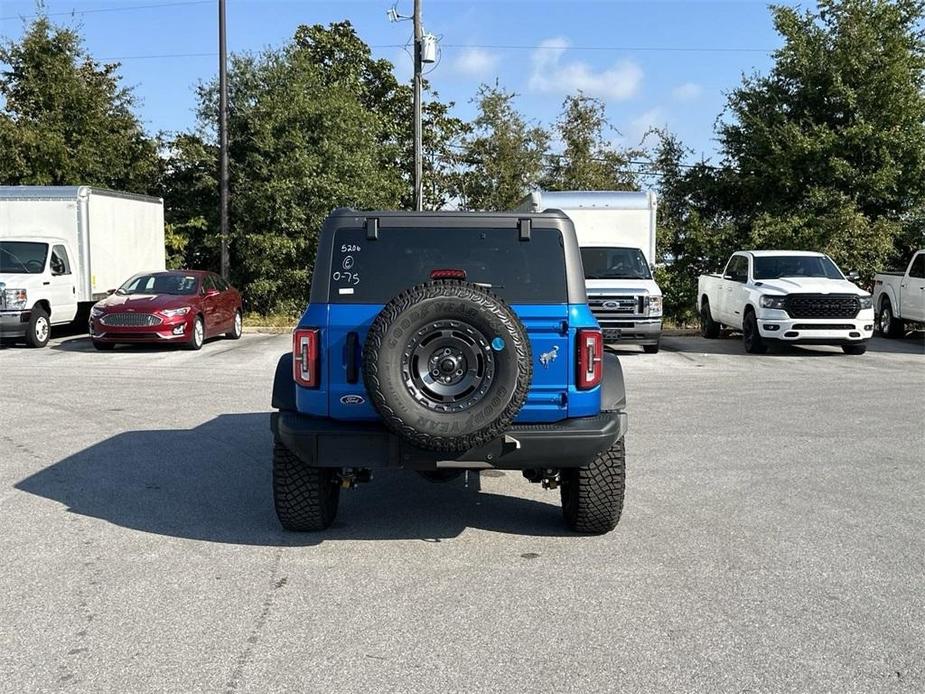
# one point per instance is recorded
(447, 365)
(751, 337)
(39, 328)
(890, 325)
(708, 327)
(854, 349)
(305, 497)
(592, 497)
(651, 349)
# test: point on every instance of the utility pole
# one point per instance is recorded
(418, 127)
(223, 136)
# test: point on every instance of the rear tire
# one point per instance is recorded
(888, 324)
(854, 349)
(754, 344)
(592, 497)
(305, 497)
(651, 349)
(39, 329)
(237, 328)
(708, 327)
(103, 346)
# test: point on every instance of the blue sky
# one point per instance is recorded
(647, 60)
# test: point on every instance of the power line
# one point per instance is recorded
(655, 49)
(98, 10)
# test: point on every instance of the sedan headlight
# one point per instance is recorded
(655, 305)
(172, 312)
(768, 301)
(96, 312)
(16, 299)
(866, 301)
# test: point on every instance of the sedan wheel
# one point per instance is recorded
(237, 328)
(198, 336)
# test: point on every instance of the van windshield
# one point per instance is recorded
(372, 272)
(602, 263)
(23, 257)
(772, 267)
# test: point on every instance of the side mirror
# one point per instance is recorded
(854, 275)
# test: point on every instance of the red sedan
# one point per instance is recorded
(183, 306)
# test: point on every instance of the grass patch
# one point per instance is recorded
(272, 320)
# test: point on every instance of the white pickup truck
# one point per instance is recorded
(786, 297)
(900, 297)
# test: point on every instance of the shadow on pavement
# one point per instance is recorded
(213, 483)
(732, 345)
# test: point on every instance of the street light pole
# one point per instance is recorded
(223, 137)
(418, 127)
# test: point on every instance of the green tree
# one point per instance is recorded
(313, 125)
(588, 160)
(503, 156)
(828, 149)
(65, 118)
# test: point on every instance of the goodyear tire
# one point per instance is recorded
(447, 364)
(592, 497)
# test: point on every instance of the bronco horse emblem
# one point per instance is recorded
(550, 356)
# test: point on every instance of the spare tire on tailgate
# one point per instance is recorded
(447, 365)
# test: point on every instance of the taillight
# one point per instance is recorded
(305, 362)
(590, 358)
(448, 273)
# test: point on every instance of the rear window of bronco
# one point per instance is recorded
(520, 272)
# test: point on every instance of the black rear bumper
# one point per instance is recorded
(570, 443)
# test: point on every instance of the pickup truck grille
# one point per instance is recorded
(608, 309)
(822, 305)
(130, 320)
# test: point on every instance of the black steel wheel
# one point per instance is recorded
(447, 364)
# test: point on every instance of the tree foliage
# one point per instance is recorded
(504, 154)
(589, 161)
(826, 152)
(66, 120)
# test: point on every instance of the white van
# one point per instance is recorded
(616, 232)
(62, 248)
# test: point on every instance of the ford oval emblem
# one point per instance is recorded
(352, 399)
(610, 305)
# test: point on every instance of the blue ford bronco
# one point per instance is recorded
(445, 342)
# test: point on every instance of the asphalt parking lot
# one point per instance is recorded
(773, 537)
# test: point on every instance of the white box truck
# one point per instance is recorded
(616, 232)
(62, 248)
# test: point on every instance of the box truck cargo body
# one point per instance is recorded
(62, 248)
(616, 233)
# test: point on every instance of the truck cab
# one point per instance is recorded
(447, 342)
(616, 233)
(38, 287)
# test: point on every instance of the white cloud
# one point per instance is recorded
(687, 91)
(476, 62)
(553, 75)
(644, 122)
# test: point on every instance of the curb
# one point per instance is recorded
(680, 332)
(267, 330)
